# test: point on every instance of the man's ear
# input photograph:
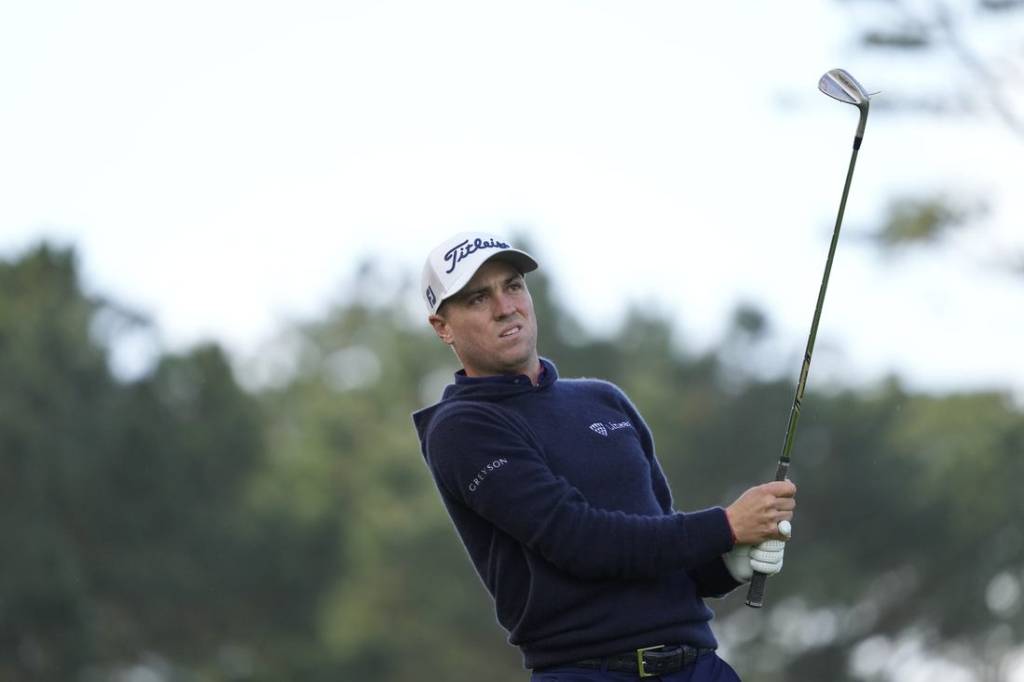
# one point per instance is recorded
(441, 328)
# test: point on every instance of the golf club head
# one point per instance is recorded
(839, 84)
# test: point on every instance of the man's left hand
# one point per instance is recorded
(766, 557)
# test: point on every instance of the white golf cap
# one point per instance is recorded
(453, 262)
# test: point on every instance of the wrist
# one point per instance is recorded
(732, 530)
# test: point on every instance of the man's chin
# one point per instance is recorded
(513, 360)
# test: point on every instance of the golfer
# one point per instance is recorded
(555, 490)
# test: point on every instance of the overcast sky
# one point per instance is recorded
(223, 166)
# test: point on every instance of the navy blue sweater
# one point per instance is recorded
(563, 508)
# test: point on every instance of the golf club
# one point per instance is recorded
(840, 85)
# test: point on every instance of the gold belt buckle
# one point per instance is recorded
(640, 659)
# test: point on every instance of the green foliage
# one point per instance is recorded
(974, 49)
(972, 44)
(125, 505)
(293, 532)
(916, 220)
(909, 37)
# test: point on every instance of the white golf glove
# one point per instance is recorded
(743, 560)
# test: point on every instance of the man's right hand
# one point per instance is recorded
(755, 516)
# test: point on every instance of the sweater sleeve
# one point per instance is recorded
(713, 579)
(486, 463)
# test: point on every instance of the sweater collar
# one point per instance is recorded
(548, 375)
(486, 389)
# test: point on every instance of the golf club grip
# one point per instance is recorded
(755, 593)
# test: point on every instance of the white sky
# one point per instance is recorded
(223, 166)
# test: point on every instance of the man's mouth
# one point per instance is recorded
(511, 331)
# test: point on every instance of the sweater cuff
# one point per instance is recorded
(732, 531)
(709, 533)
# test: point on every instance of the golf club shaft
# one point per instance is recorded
(755, 593)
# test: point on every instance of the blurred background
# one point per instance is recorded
(211, 341)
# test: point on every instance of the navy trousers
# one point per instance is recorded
(708, 668)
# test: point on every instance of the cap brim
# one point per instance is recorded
(522, 261)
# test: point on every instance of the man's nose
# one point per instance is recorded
(504, 305)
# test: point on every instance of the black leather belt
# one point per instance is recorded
(649, 661)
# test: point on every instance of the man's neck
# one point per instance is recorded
(533, 371)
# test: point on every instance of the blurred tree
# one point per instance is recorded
(180, 524)
(973, 50)
(974, 45)
(924, 220)
(126, 509)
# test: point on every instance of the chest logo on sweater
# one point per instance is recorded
(603, 428)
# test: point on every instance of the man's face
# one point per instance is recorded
(490, 323)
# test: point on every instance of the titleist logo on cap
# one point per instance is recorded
(464, 248)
